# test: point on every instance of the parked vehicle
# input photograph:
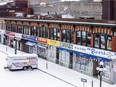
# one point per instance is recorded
(22, 61)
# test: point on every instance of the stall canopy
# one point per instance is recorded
(67, 50)
(92, 56)
(30, 43)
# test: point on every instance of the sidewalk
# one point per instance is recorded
(61, 72)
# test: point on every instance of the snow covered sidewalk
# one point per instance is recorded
(61, 72)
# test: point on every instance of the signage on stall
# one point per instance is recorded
(32, 38)
(94, 51)
(11, 35)
(83, 80)
(7, 33)
(66, 45)
(53, 42)
(18, 36)
(114, 67)
(42, 40)
(2, 31)
(25, 36)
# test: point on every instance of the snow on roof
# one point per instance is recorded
(22, 55)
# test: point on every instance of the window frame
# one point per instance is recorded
(43, 32)
(19, 29)
(26, 30)
(54, 34)
(34, 30)
(105, 41)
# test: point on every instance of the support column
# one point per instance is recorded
(15, 46)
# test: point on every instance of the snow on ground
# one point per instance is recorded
(37, 78)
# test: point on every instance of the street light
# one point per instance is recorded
(100, 71)
(15, 46)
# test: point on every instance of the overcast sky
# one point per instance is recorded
(77, 0)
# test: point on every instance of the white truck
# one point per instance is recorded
(22, 61)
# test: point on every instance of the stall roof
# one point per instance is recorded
(63, 21)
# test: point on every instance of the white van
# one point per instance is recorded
(22, 61)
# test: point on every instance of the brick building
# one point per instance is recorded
(109, 9)
(76, 44)
(9, 9)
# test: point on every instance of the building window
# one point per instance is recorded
(2, 25)
(72, 36)
(34, 31)
(19, 29)
(78, 37)
(54, 34)
(43, 32)
(64, 35)
(97, 40)
(84, 38)
(68, 36)
(109, 42)
(88, 39)
(13, 28)
(26, 30)
(8, 26)
(103, 40)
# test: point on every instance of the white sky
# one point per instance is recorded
(77, 0)
(37, 78)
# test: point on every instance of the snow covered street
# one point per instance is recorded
(57, 76)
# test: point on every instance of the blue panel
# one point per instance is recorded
(69, 51)
(32, 38)
(92, 56)
(61, 48)
(65, 50)
(30, 43)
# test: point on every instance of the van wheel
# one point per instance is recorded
(24, 68)
(30, 68)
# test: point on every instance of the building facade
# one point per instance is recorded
(11, 9)
(109, 9)
(77, 44)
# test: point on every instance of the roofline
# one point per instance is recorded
(62, 21)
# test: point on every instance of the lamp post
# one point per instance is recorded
(100, 71)
(15, 46)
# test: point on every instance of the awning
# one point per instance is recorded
(65, 50)
(92, 56)
(30, 43)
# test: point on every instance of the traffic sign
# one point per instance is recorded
(83, 80)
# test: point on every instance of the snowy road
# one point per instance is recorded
(33, 78)
(57, 76)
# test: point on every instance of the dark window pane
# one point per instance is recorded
(41, 32)
(26, 30)
(79, 37)
(84, 38)
(34, 31)
(68, 35)
(64, 35)
(58, 34)
(109, 42)
(88, 39)
(72, 36)
(8, 27)
(51, 34)
(19, 28)
(102, 41)
(97, 41)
